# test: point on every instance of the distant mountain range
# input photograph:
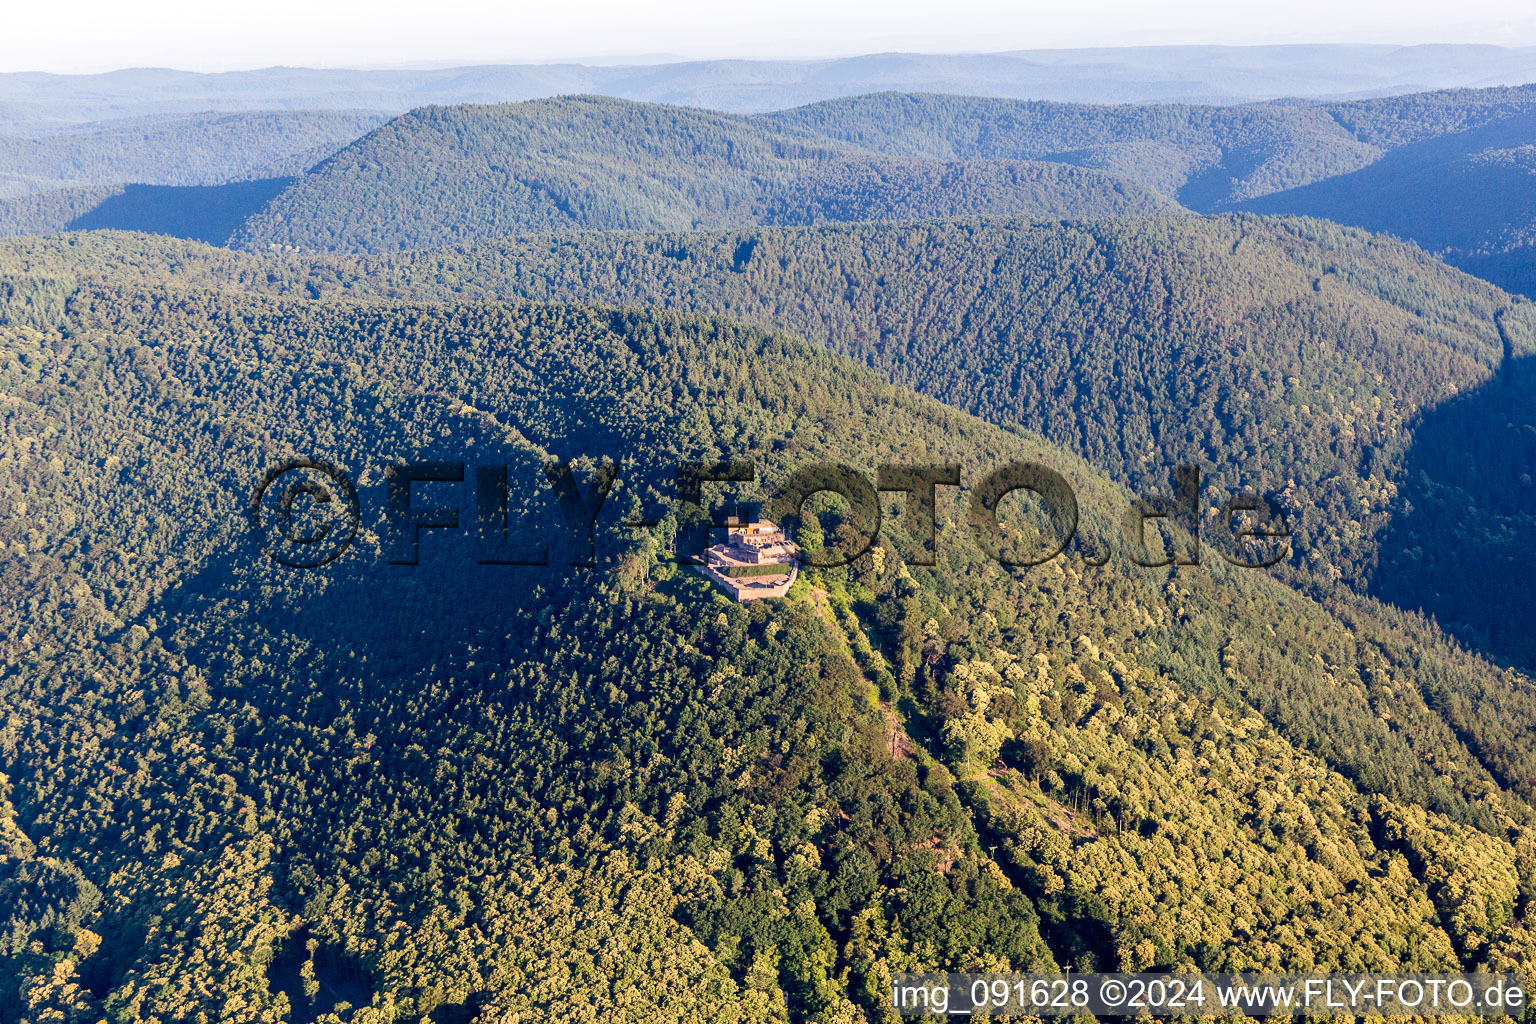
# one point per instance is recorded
(34, 102)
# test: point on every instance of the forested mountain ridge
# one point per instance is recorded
(1293, 357)
(1290, 356)
(1443, 169)
(612, 794)
(446, 175)
(1209, 157)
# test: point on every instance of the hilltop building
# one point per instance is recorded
(756, 561)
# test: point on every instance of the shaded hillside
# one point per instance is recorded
(1459, 545)
(1468, 197)
(201, 213)
(447, 175)
(611, 791)
(203, 149)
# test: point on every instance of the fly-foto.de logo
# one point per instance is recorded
(307, 513)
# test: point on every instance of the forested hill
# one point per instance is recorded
(1209, 157)
(1292, 356)
(444, 175)
(610, 793)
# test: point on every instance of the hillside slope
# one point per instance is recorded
(608, 793)
(1290, 356)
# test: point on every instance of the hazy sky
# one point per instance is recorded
(210, 35)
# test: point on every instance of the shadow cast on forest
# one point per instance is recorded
(207, 213)
(337, 979)
(1460, 544)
